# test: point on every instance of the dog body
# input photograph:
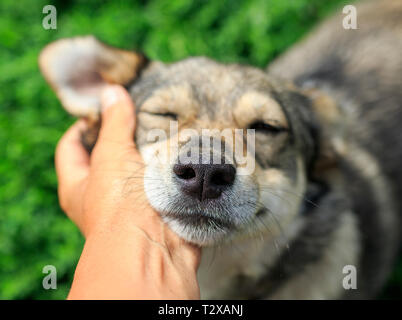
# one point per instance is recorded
(361, 70)
(322, 197)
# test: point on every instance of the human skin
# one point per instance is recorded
(129, 253)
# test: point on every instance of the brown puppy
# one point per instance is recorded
(319, 187)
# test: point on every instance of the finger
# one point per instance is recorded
(118, 117)
(71, 159)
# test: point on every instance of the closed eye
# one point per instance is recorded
(170, 115)
(267, 128)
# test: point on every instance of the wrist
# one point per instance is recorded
(130, 265)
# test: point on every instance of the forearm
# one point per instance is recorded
(128, 264)
(129, 253)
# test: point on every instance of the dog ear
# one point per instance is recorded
(78, 68)
(331, 131)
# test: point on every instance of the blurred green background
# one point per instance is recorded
(33, 230)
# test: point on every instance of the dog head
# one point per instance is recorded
(229, 151)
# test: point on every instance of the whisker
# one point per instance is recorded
(269, 188)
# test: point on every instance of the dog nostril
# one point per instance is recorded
(223, 176)
(184, 172)
(188, 173)
(204, 181)
(220, 179)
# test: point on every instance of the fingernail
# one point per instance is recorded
(110, 96)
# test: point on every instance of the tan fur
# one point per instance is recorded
(254, 106)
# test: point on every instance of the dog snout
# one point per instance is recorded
(204, 181)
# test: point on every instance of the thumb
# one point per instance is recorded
(118, 117)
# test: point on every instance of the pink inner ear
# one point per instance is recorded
(88, 83)
(78, 69)
(80, 90)
(71, 66)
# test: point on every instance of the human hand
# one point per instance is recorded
(129, 251)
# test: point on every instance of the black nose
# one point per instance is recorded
(204, 181)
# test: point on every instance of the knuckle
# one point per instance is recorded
(63, 199)
(63, 204)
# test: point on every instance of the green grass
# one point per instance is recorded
(33, 230)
